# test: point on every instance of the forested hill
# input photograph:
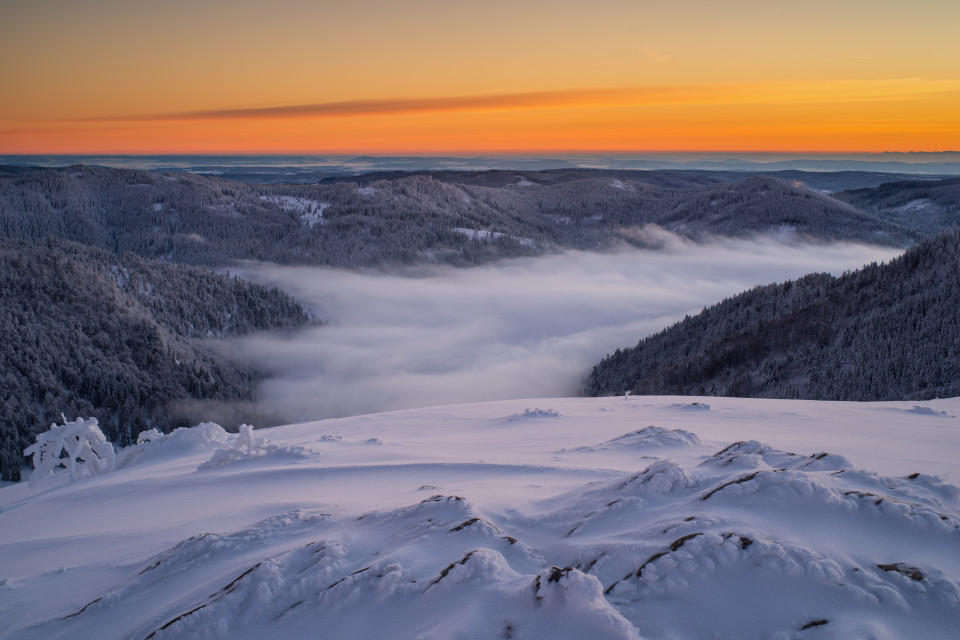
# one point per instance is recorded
(452, 219)
(822, 181)
(924, 205)
(89, 333)
(887, 332)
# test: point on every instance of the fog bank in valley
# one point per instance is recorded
(513, 329)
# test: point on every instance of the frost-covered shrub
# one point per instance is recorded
(78, 446)
(151, 435)
(246, 447)
(245, 439)
(535, 413)
(154, 445)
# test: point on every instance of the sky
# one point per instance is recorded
(427, 77)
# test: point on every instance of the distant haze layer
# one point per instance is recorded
(514, 329)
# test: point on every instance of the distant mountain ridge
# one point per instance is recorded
(444, 218)
(883, 332)
(823, 181)
(306, 169)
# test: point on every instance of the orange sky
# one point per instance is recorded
(302, 76)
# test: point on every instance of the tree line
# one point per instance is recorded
(84, 332)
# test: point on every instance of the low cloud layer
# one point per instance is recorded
(514, 329)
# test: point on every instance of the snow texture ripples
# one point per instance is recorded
(678, 534)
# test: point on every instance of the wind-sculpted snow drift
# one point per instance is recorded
(464, 522)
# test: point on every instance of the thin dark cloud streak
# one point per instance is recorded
(574, 98)
(566, 98)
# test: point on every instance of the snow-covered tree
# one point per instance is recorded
(78, 446)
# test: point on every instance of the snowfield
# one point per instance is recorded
(639, 517)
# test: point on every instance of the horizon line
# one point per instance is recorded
(470, 153)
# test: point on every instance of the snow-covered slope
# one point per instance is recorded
(640, 517)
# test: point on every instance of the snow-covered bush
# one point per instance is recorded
(151, 435)
(535, 413)
(245, 439)
(154, 445)
(83, 450)
(246, 447)
(78, 446)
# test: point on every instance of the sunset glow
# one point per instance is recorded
(114, 76)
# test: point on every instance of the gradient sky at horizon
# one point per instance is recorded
(424, 76)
